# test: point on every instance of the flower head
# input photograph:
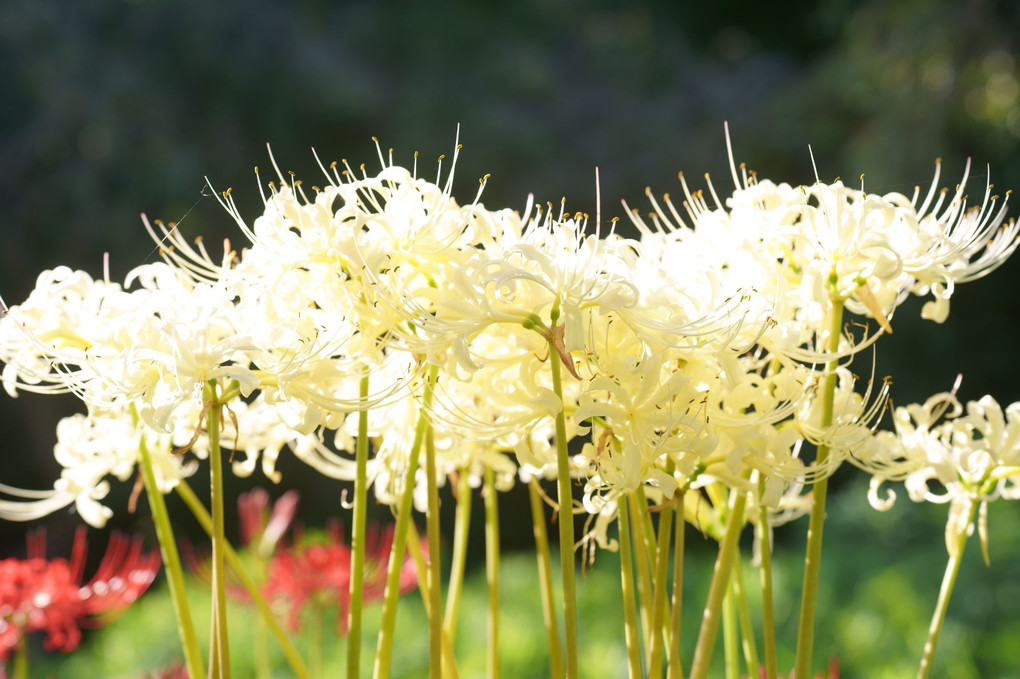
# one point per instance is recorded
(945, 453)
(319, 573)
(37, 594)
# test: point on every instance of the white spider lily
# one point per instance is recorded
(945, 453)
(91, 449)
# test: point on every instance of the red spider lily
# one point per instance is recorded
(321, 573)
(37, 594)
(175, 671)
(261, 530)
(309, 571)
(831, 673)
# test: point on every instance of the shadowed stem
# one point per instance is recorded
(749, 645)
(172, 564)
(384, 647)
(946, 591)
(263, 669)
(643, 548)
(316, 638)
(203, 518)
(492, 570)
(414, 547)
(632, 633)
(357, 586)
(459, 559)
(768, 620)
(731, 637)
(545, 579)
(674, 667)
(435, 588)
(19, 664)
(813, 552)
(219, 646)
(659, 627)
(719, 586)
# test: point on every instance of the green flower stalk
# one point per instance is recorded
(316, 641)
(357, 589)
(674, 667)
(643, 549)
(461, 528)
(945, 592)
(748, 642)
(219, 646)
(270, 618)
(19, 665)
(492, 571)
(384, 647)
(435, 583)
(450, 670)
(659, 629)
(632, 633)
(731, 635)
(813, 555)
(552, 628)
(728, 550)
(566, 521)
(172, 564)
(768, 618)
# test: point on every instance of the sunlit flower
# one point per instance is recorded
(800, 247)
(94, 449)
(945, 453)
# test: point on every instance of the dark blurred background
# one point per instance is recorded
(109, 109)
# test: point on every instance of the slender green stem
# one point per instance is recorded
(566, 521)
(435, 589)
(552, 627)
(767, 614)
(946, 591)
(19, 665)
(813, 552)
(717, 590)
(219, 652)
(647, 525)
(459, 560)
(632, 634)
(414, 547)
(316, 640)
(357, 584)
(286, 645)
(384, 647)
(644, 555)
(172, 564)
(658, 630)
(492, 570)
(731, 638)
(263, 668)
(749, 645)
(674, 667)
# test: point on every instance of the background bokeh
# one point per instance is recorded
(109, 109)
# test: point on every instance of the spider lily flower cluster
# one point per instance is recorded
(706, 354)
(970, 455)
(49, 595)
